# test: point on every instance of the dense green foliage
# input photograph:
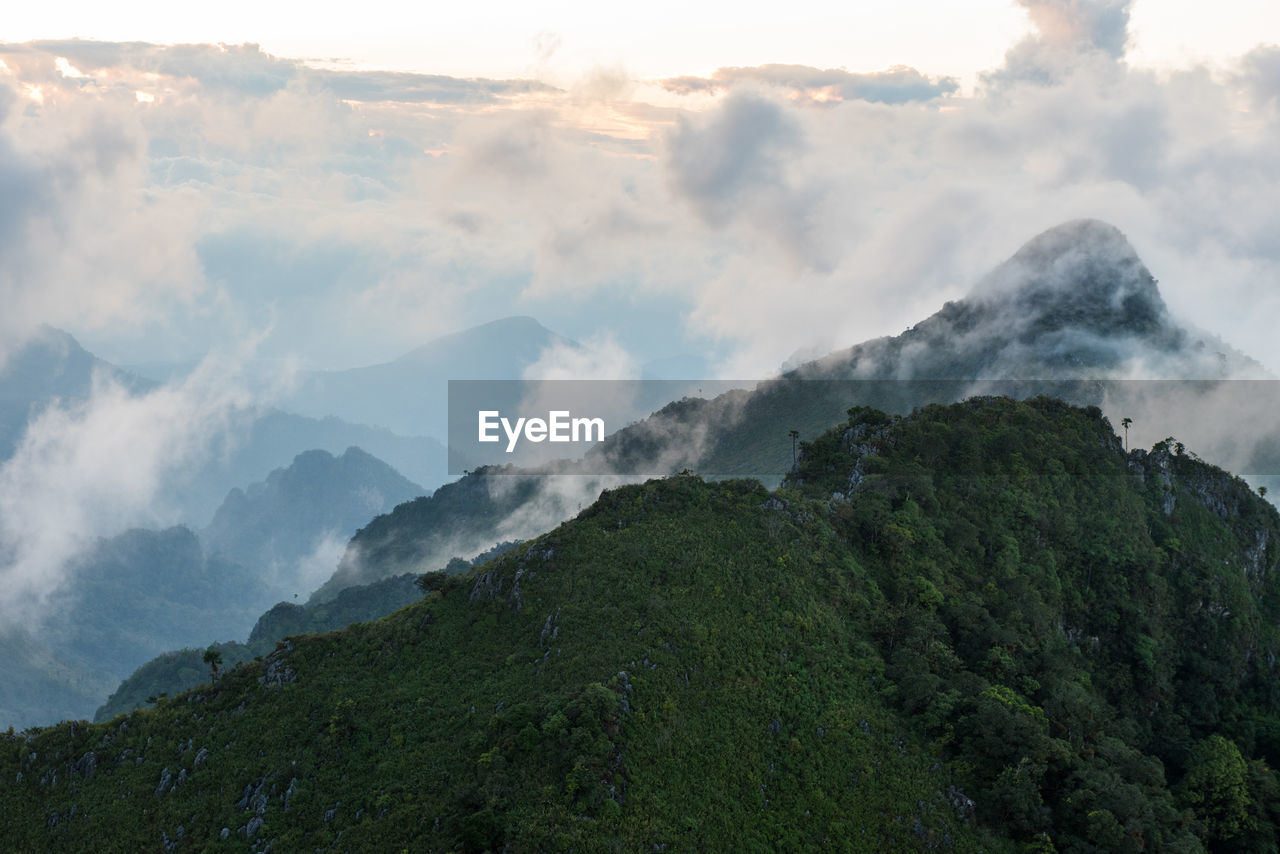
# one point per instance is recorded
(1071, 625)
(982, 626)
(181, 670)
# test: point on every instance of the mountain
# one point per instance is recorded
(408, 395)
(277, 524)
(1075, 302)
(145, 592)
(1071, 309)
(133, 597)
(181, 670)
(50, 366)
(258, 442)
(53, 367)
(983, 626)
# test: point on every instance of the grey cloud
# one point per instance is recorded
(745, 162)
(898, 85)
(1260, 74)
(741, 149)
(1082, 24)
(1069, 34)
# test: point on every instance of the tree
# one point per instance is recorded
(1216, 787)
(795, 434)
(213, 658)
(1125, 422)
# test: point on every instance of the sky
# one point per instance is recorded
(656, 39)
(298, 185)
(737, 182)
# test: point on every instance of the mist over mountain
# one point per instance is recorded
(51, 365)
(300, 514)
(53, 369)
(135, 596)
(1074, 305)
(144, 592)
(1075, 302)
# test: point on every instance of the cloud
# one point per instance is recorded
(246, 71)
(94, 468)
(410, 88)
(599, 357)
(1068, 34)
(398, 207)
(81, 245)
(1260, 74)
(1081, 24)
(898, 85)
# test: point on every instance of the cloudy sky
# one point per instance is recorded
(735, 182)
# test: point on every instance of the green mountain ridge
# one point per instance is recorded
(180, 670)
(1074, 306)
(981, 626)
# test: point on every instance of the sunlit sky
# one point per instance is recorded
(654, 39)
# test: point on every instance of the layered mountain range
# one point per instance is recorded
(978, 627)
(1074, 305)
(1074, 313)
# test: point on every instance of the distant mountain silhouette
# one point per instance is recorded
(274, 524)
(408, 395)
(50, 366)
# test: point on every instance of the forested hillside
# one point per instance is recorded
(983, 626)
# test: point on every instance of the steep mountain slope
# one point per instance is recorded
(464, 517)
(275, 524)
(1075, 305)
(184, 669)
(181, 670)
(983, 626)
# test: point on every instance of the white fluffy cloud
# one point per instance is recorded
(747, 216)
(93, 468)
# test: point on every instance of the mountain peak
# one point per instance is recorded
(1083, 273)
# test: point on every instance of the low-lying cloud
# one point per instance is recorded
(93, 468)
